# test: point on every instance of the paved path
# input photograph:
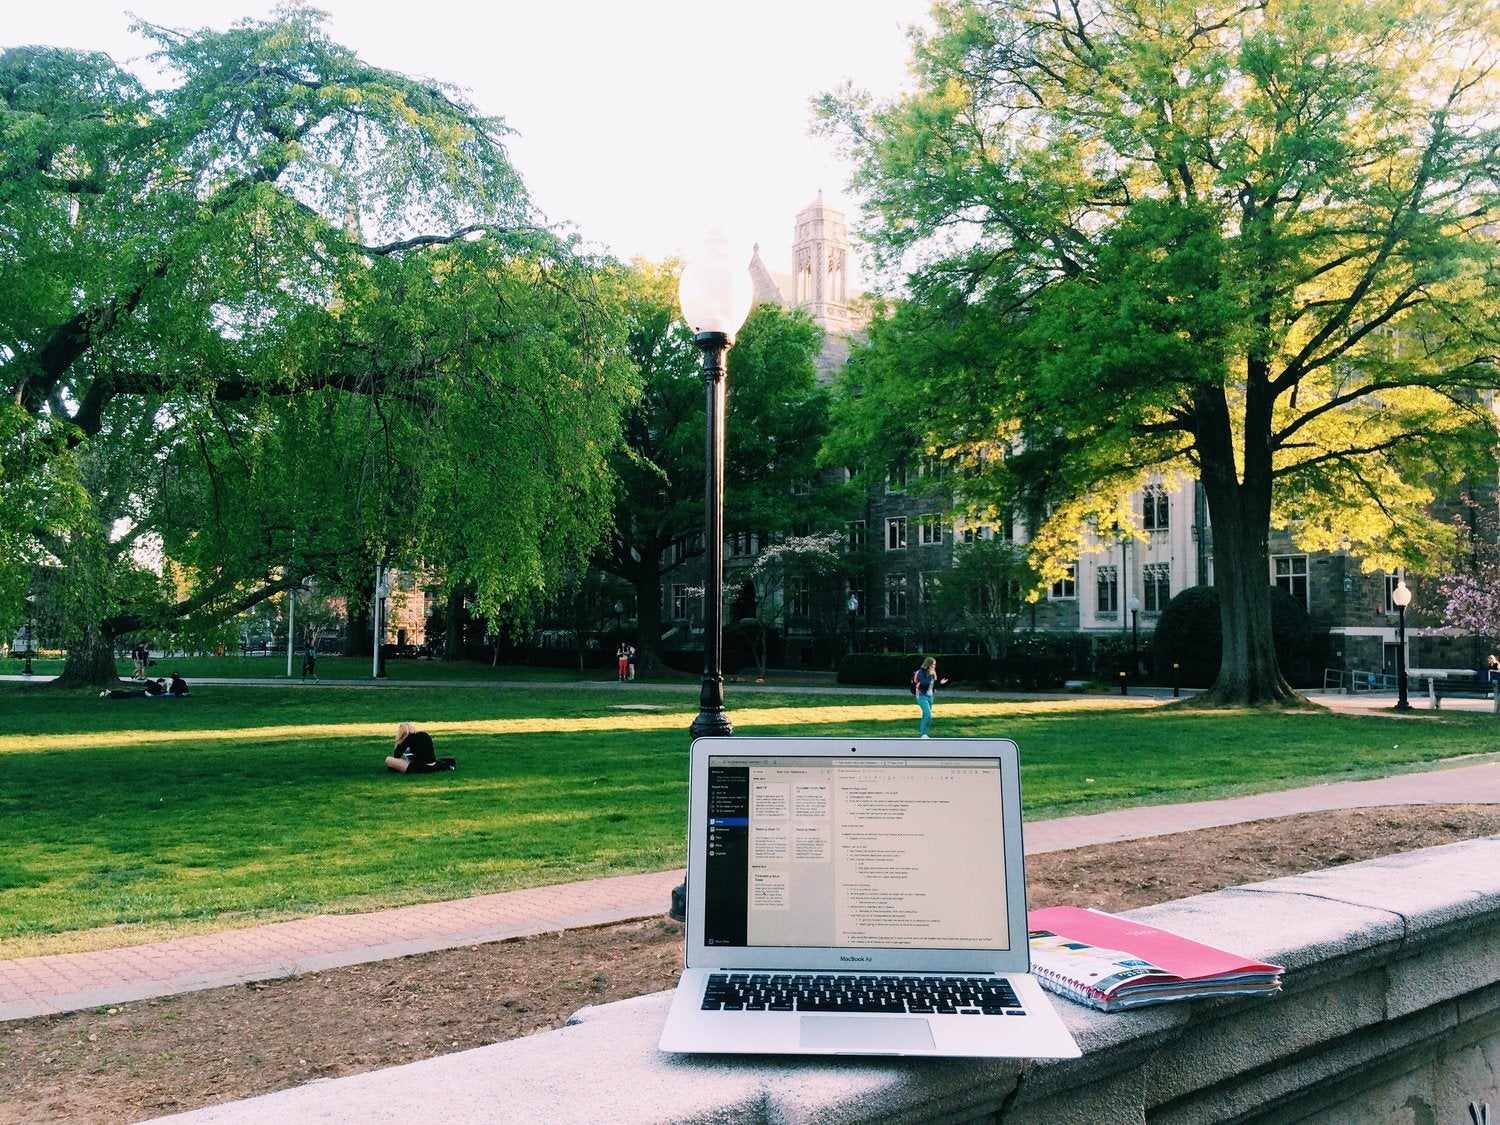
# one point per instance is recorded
(31, 986)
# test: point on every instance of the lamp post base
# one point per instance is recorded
(711, 725)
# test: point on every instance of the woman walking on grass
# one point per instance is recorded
(927, 684)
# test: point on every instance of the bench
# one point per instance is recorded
(1455, 687)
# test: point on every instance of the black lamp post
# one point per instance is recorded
(715, 294)
(853, 607)
(30, 633)
(1135, 636)
(382, 592)
(1401, 598)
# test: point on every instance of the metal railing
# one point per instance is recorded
(1351, 681)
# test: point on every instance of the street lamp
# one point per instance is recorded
(715, 293)
(853, 607)
(30, 633)
(1135, 635)
(1401, 598)
(382, 592)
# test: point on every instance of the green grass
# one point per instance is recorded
(246, 803)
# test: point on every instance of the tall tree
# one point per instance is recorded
(1254, 241)
(314, 296)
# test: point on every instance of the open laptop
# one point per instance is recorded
(858, 896)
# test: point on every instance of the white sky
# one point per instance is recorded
(644, 123)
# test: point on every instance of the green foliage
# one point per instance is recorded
(293, 314)
(987, 590)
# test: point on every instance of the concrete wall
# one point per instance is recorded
(1390, 1014)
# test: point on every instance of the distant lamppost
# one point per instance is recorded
(853, 607)
(382, 592)
(1401, 598)
(1135, 636)
(715, 293)
(30, 633)
(619, 609)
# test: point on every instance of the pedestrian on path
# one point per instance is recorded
(927, 682)
(622, 658)
(309, 664)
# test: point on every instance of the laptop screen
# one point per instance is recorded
(858, 847)
(855, 852)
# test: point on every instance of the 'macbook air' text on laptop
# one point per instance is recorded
(858, 896)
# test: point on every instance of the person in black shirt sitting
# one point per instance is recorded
(414, 752)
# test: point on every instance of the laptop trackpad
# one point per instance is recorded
(863, 1033)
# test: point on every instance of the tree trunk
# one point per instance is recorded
(1239, 508)
(84, 605)
(648, 591)
(453, 637)
(90, 662)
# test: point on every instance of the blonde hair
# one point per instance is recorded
(403, 730)
(930, 663)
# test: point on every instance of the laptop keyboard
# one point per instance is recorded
(799, 992)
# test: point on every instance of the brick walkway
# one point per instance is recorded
(31, 986)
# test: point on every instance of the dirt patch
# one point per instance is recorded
(141, 1060)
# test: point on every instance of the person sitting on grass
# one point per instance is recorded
(178, 686)
(414, 752)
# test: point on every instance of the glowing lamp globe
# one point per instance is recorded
(715, 290)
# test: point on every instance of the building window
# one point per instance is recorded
(799, 595)
(1066, 587)
(1154, 508)
(857, 595)
(1289, 572)
(931, 532)
(680, 602)
(895, 479)
(802, 488)
(1391, 582)
(743, 544)
(927, 585)
(855, 530)
(1156, 579)
(1107, 583)
(980, 532)
(895, 595)
(895, 533)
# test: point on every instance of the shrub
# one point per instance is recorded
(1190, 635)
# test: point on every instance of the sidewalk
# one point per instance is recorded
(32, 986)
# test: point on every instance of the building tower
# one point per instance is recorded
(820, 266)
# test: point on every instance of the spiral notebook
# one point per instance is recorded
(858, 896)
(1111, 963)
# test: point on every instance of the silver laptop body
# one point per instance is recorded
(874, 873)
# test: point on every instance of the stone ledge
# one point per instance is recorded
(1390, 1006)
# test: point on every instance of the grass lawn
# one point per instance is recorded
(248, 803)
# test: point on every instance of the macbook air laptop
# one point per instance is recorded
(858, 896)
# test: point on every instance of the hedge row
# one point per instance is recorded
(1026, 671)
